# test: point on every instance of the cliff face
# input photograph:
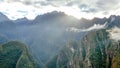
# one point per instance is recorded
(95, 50)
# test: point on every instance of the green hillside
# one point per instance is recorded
(95, 50)
(15, 55)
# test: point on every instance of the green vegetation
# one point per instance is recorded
(15, 55)
(95, 50)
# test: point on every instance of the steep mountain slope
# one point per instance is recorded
(47, 33)
(114, 21)
(44, 39)
(95, 50)
(15, 55)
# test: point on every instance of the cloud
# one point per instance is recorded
(94, 27)
(107, 4)
(77, 8)
(94, 6)
(91, 5)
(18, 10)
(114, 33)
(87, 9)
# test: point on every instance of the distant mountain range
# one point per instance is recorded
(47, 38)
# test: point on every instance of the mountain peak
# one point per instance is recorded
(50, 15)
(21, 19)
(114, 21)
(55, 16)
(3, 17)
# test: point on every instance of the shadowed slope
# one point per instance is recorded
(15, 55)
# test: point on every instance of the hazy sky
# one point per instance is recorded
(77, 8)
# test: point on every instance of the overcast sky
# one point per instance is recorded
(78, 8)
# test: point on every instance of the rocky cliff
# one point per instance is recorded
(95, 50)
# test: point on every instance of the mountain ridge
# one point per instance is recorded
(3, 17)
(61, 17)
(50, 34)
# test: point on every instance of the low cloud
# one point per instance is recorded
(114, 33)
(94, 27)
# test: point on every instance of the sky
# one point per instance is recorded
(78, 8)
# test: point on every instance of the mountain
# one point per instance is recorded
(5, 22)
(56, 18)
(44, 39)
(85, 23)
(22, 21)
(14, 54)
(3, 17)
(3, 39)
(114, 21)
(49, 16)
(95, 50)
(48, 33)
